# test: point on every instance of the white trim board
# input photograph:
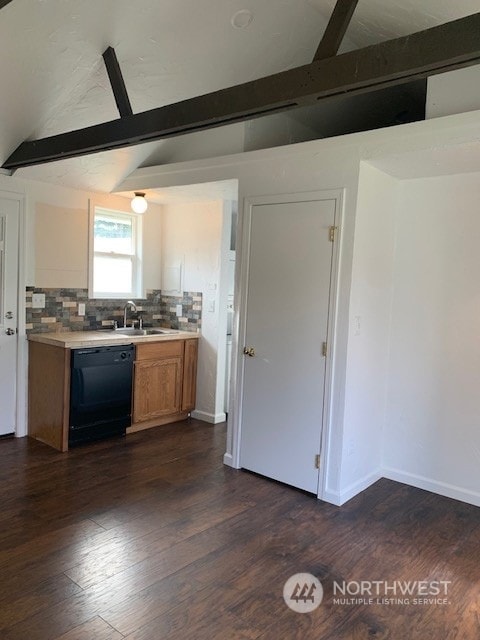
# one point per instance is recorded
(228, 460)
(209, 417)
(339, 498)
(434, 486)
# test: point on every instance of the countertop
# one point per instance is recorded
(80, 339)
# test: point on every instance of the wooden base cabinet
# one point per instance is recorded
(49, 394)
(164, 387)
(165, 376)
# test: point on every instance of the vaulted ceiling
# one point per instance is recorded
(54, 80)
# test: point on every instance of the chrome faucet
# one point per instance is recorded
(133, 306)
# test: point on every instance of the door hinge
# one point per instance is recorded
(317, 461)
(331, 234)
(324, 349)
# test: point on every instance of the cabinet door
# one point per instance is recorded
(189, 375)
(157, 388)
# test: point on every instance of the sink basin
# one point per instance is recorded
(152, 332)
(131, 331)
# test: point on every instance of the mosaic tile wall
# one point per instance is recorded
(61, 311)
(191, 311)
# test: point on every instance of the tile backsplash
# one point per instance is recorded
(61, 311)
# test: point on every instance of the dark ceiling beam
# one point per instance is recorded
(443, 48)
(116, 80)
(336, 29)
(3, 3)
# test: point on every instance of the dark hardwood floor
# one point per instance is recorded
(150, 537)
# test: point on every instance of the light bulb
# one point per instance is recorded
(139, 204)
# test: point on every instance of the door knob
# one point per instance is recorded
(9, 315)
(249, 351)
(10, 332)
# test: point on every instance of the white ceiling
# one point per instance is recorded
(377, 20)
(53, 77)
(202, 192)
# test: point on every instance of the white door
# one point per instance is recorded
(9, 218)
(290, 265)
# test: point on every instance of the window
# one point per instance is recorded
(115, 255)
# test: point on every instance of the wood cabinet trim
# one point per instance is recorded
(49, 394)
(155, 350)
(189, 391)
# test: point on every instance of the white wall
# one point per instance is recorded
(55, 199)
(59, 219)
(453, 92)
(432, 435)
(369, 323)
(193, 235)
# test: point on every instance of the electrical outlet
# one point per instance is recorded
(179, 311)
(81, 308)
(38, 301)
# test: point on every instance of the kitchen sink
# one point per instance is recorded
(131, 331)
(152, 332)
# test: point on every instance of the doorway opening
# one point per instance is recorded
(198, 245)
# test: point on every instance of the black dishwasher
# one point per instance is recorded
(100, 392)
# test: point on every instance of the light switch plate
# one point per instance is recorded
(38, 301)
(179, 310)
(81, 308)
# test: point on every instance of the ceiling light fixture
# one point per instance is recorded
(139, 204)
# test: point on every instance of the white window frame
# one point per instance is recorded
(137, 258)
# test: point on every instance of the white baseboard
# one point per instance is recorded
(341, 497)
(435, 486)
(209, 417)
(332, 497)
(228, 460)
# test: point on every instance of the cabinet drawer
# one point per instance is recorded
(155, 350)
